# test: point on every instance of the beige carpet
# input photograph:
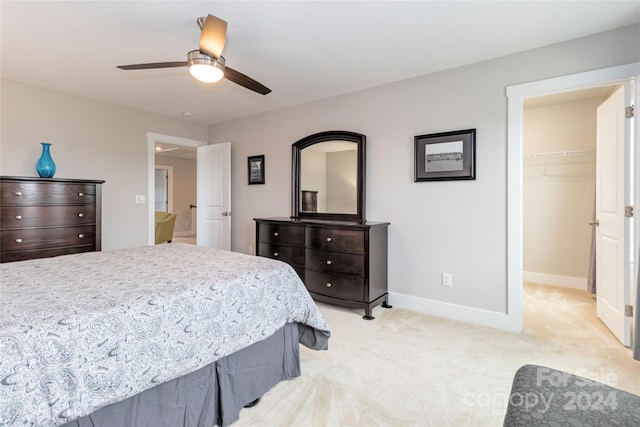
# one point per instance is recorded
(410, 369)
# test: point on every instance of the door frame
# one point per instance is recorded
(152, 139)
(515, 97)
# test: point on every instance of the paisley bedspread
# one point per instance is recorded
(79, 332)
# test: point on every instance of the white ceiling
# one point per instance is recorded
(302, 50)
(176, 151)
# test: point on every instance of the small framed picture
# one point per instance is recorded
(256, 169)
(445, 156)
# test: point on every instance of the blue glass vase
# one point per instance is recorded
(46, 167)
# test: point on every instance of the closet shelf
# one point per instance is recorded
(554, 154)
(560, 163)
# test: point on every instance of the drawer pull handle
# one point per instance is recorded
(80, 194)
(81, 215)
(275, 254)
(328, 284)
(328, 239)
(275, 234)
(18, 240)
(18, 193)
(328, 262)
(18, 216)
(81, 236)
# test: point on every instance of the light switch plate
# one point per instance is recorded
(447, 279)
(140, 199)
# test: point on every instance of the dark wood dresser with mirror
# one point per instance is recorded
(340, 257)
(45, 217)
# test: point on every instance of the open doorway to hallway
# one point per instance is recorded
(181, 189)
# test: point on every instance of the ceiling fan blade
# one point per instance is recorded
(245, 81)
(153, 65)
(213, 36)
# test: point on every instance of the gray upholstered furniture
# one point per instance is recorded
(542, 396)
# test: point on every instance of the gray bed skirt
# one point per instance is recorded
(212, 395)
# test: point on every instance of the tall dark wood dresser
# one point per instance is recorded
(45, 217)
(340, 262)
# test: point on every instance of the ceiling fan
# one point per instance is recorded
(207, 63)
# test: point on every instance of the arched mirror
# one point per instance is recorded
(328, 176)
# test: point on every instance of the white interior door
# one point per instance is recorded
(613, 228)
(161, 198)
(214, 196)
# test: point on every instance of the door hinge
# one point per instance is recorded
(628, 310)
(628, 211)
(629, 111)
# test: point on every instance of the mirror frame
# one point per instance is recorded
(334, 135)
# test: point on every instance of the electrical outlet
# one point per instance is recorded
(140, 199)
(447, 280)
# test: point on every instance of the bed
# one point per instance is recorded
(184, 334)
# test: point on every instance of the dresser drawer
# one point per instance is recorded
(277, 233)
(293, 255)
(46, 216)
(334, 239)
(349, 288)
(335, 262)
(48, 193)
(43, 253)
(44, 238)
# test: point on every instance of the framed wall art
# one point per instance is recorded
(256, 169)
(445, 156)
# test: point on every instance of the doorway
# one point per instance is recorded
(516, 96)
(183, 203)
(559, 187)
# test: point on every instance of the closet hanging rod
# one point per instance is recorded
(560, 154)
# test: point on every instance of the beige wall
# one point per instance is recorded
(456, 227)
(558, 192)
(184, 189)
(342, 181)
(313, 171)
(91, 140)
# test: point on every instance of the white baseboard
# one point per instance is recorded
(462, 313)
(183, 233)
(554, 280)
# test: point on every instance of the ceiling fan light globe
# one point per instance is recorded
(206, 73)
(205, 68)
